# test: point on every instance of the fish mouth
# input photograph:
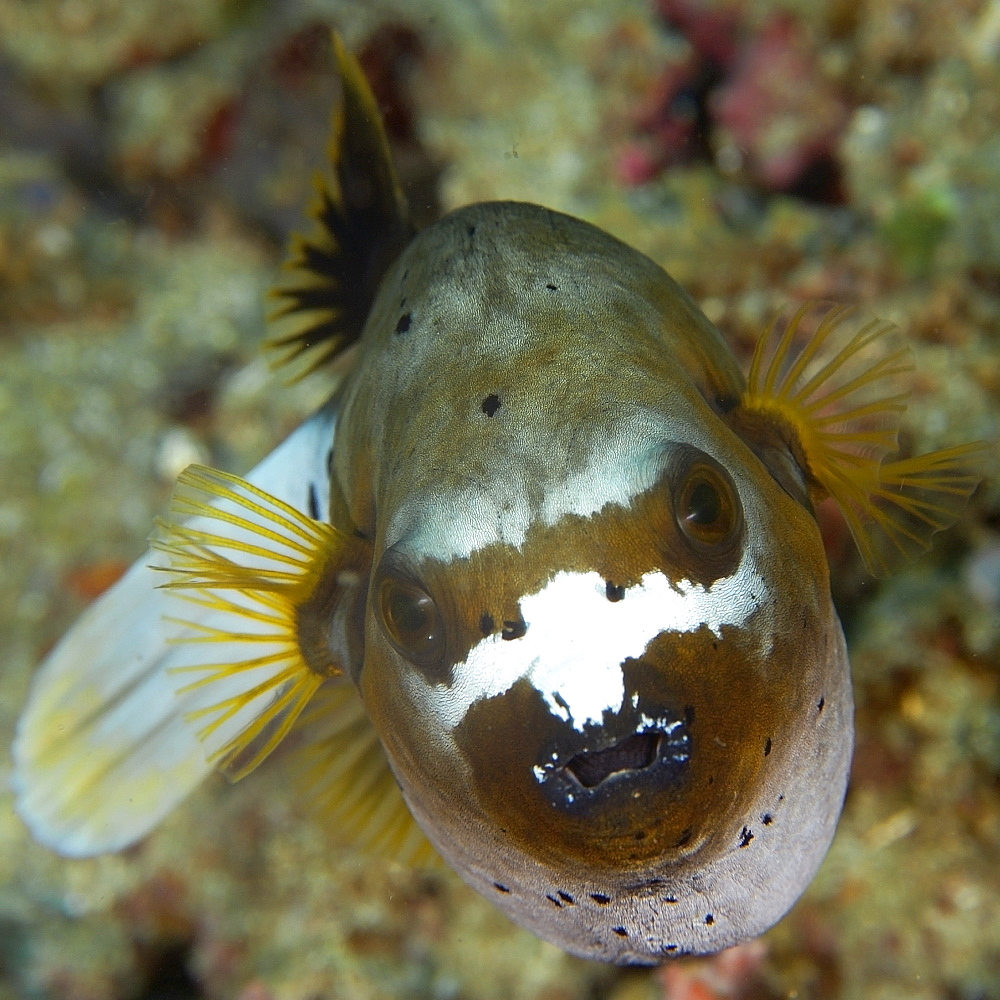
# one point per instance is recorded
(655, 754)
(634, 753)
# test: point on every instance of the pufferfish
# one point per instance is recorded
(546, 569)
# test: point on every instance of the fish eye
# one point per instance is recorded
(706, 506)
(410, 619)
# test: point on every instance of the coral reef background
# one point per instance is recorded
(154, 157)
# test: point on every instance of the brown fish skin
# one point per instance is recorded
(530, 397)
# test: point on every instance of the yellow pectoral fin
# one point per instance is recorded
(264, 581)
(830, 385)
(913, 499)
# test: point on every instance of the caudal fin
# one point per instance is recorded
(114, 732)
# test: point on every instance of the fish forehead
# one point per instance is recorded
(540, 363)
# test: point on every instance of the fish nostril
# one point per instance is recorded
(634, 753)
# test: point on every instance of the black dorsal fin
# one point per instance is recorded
(361, 225)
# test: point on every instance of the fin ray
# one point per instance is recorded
(360, 224)
(833, 386)
(342, 771)
(103, 750)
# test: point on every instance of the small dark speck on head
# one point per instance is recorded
(620, 931)
(600, 898)
(491, 404)
(614, 592)
(500, 888)
(313, 502)
(470, 232)
(767, 747)
(746, 835)
(555, 902)
(404, 323)
(669, 899)
(552, 288)
(513, 630)
(709, 919)
(767, 819)
(822, 702)
(566, 897)
(486, 623)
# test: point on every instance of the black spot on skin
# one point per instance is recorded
(767, 747)
(689, 714)
(822, 702)
(670, 947)
(684, 838)
(551, 287)
(555, 902)
(500, 888)
(566, 897)
(709, 919)
(490, 405)
(620, 931)
(639, 835)
(614, 592)
(767, 819)
(403, 324)
(313, 503)
(669, 899)
(746, 835)
(725, 404)
(513, 630)
(470, 232)
(600, 898)
(486, 623)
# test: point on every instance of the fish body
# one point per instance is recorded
(547, 561)
(568, 394)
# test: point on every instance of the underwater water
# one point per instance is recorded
(154, 158)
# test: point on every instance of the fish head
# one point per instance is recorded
(620, 720)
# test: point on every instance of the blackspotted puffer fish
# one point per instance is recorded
(545, 568)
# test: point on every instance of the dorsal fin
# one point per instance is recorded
(361, 223)
(830, 386)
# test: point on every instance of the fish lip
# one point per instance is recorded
(651, 745)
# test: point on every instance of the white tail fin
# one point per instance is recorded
(103, 749)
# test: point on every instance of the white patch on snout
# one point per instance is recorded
(577, 640)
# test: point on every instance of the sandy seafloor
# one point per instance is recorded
(153, 157)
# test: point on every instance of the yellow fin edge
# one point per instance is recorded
(835, 384)
(251, 565)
